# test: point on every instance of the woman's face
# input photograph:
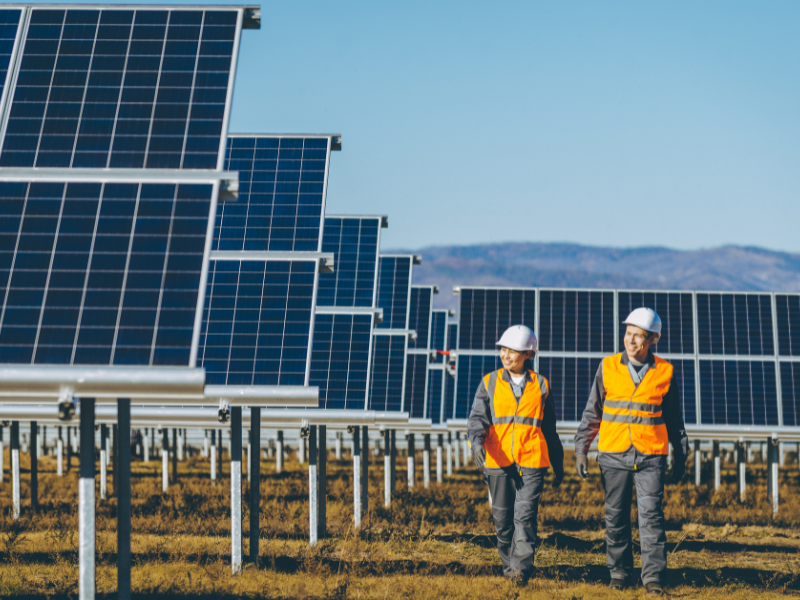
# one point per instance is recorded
(514, 360)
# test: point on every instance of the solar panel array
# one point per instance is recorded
(722, 346)
(437, 367)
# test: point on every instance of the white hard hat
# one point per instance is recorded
(647, 319)
(519, 338)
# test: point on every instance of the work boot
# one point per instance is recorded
(617, 584)
(654, 588)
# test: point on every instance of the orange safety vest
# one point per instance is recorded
(515, 436)
(632, 414)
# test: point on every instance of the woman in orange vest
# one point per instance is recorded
(636, 411)
(512, 433)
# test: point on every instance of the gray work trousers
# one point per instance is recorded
(618, 486)
(515, 508)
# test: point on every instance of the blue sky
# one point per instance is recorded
(611, 123)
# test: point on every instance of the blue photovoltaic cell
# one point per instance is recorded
(257, 322)
(438, 330)
(448, 401)
(416, 380)
(354, 243)
(677, 321)
(734, 324)
(419, 316)
(435, 389)
(339, 360)
(9, 23)
(570, 383)
(394, 281)
(485, 314)
(281, 195)
(788, 316)
(576, 321)
(683, 376)
(100, 274)
(144, 88)
(388, 372)
(471, 369)
(738, 393)
(790, 393)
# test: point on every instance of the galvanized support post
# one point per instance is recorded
(466, 451)
(364, 470)
(301, 450)
(213, 456)
(124, 500)
(164, 459)
(86, 514)
(34, 455)
(2, 451)
(456, 452)
(254, 473)
(152, 439)
(775, 474)
(175, 446)
(103, 468)
(393, 473)
(15, 483)
(279, 453)
(178, 444)
(338, 445)
(69, 449)
(60, 453)
(717, 467)
(313, 508)
(220, 464)
(410, 459)
(322, 460)
(741, 480)
(146, 446)
(205, 443)
(449, 454)
(115, 448)
(426, 460)
(249, 450)
(439, 470)
(387, 468)
(236, 489)
(698, 458)
(356, 479)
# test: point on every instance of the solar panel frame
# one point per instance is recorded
(420, 316)
(397, 348)
(388, 306)
(11, 69)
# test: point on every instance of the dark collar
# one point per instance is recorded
(507, 376)
(651, 359)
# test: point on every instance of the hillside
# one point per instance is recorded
(571, 265)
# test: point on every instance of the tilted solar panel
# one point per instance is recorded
(419, 317)
(416, 385)
(257, 322)
(9, 26)
(677, 318)
(485, 313)
(790, 393)
(101, 273)
(471, 368)
(388, 372)
(739, 324)
(355, 242)
(282, 184)
(738, 392)
(438, 333)
(576, 321)
(570, 381)
(435, 392)
(448, 402)
(394, 290)
(340, 359)
(788, 320)
(123, 88)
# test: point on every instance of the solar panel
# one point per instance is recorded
(394, 290)
(123, 88)
(9, 26)
(419, 318)
(790, 393)
(388, 372)
(355, 242)
(416, 385)
(677, 318)
(340, 359)
(257, 322)
(433, 409)
(738, 392)
(101, 273)
(738, 324)
(282, 185)
(787, 310)
(486, 312)
(448, 402)
(438, 333)
(576, 321)
(471, 368)
(570, 383)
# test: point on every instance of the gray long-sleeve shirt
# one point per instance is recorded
(480, 420)
(632, 459)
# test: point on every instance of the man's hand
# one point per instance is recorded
(582, 465)
(478, 455)
(559, 477)
(678, 471)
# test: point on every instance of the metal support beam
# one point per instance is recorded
(322, 459)
(164, 459)
(393, 473)
(338, 445)
(410, 459)
(741, 481)
(146, 446)
(449, 454)
(213, 457)
(426, 460)
(717, 467)
(69, 449)
(86, 513)
(312, 486)
(60, 453)
(301, 450)
(34, 454)
(115, 449)
(387, 468)
(356, 478)
(175, 447)
(220, 464)
(103, 468)
(2, 451)
(365, 470)
(124, 500)
(279, 453)
(254, 474)
(439, 469)
(236, 489)
(15, 483)
(698, 459)
(456, 453)
(773, 449)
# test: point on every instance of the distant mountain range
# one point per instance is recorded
(727, 268)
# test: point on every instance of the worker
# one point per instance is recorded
(636, 410)
(512, 434)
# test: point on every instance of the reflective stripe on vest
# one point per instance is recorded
(632, 413)
(515, 436)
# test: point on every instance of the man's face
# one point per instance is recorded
(513, 360)
(637, 342)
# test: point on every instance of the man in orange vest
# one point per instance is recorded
(512, 433)
(636, 410)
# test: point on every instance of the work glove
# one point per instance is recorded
(478, 455)
(559, 477)
(582, 465)
(678, 471)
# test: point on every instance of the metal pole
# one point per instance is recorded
(124, 500)
(393, 473)
(356, 479)
(152, 439)
(86, 555)
(103, 469)
(439, 442)
(179, 444)
(146, 446)
(34, 454)
(249, 451)
(338, 445)
(205, 443)
(456, 453)
(322, 459)
(364, 470)
(465, 451)
(69, 449)
(254, 472)
(175, 448)
(279, 453)
(717, 466)
(301, 450)
(2, 450)
(426, 460)
(698, 458)
(164, 459)
(774, 472)
(220, 464)
(115, 448)
(387, 468)
(60, 453)
(741, 479)
(236, 489)
(213, 457)
(312, 485)
(449, 454)
(15, 503)
(410, 459)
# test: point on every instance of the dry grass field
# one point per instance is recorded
(435, 543)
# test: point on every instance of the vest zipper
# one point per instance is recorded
(514, 422)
